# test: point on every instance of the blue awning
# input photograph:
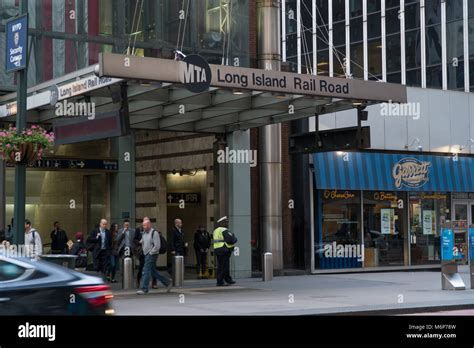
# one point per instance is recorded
(393, 172)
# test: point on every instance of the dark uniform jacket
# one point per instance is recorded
(177, 241)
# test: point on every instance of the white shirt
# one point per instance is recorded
(34, 247)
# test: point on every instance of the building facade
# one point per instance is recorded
(394, 197)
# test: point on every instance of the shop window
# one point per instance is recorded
(428, 211)
(384, 228)
(340, 228)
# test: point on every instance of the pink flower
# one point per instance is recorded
(29, 133)
(8, 145)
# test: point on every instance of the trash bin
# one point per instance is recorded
(68, 261)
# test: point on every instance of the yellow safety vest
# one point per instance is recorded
(218, 238)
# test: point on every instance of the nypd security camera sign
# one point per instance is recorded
(195, 73)
(16, 43)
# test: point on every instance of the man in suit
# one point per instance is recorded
(124, 240)
(100, 240)
(178, 245)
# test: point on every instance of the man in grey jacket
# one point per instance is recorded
(34, 247)
(150, 243)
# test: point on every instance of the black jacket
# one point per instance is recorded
(80, 250)
(202, 240)
(94, 241)
(177, 241)
(59, 241)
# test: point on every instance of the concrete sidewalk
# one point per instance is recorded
(358, 293)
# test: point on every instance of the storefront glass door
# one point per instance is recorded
(428, 212)
(463, 214)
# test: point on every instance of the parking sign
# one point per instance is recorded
(16, 43)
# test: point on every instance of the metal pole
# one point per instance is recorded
(269, 58)
(178, 271)
(128, 273)
(20, 169)
(267, 262)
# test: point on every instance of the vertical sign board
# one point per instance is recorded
(16, 44)
(471, 244)
(447, 244)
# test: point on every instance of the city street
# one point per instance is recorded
(369, 293)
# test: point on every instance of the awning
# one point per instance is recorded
(162, 95)
(376, 171)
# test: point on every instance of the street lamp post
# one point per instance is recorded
(20, 168)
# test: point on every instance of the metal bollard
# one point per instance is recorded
(127, 273)
(267, 263)
(178, 271)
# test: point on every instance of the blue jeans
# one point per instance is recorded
(149, 270)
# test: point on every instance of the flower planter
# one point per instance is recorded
(27, 154)
(24, 147)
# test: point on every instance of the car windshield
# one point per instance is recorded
(9, 271)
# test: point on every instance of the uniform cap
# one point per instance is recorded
(224, 218)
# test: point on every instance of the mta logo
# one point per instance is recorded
(195, 73)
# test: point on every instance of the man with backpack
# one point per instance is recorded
(33, 244)
(151, 247)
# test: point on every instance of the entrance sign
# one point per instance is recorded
(16, 44)
(167, 70)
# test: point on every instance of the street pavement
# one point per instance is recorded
(353, 294)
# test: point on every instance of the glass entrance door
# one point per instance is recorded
(462, 218)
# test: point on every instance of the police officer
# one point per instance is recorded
(224, 242)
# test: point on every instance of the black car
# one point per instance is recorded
(29, 287)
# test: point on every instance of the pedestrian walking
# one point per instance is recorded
(113, 257)
(150, 243)
(100, 242)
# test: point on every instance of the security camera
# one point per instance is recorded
(178, 55)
